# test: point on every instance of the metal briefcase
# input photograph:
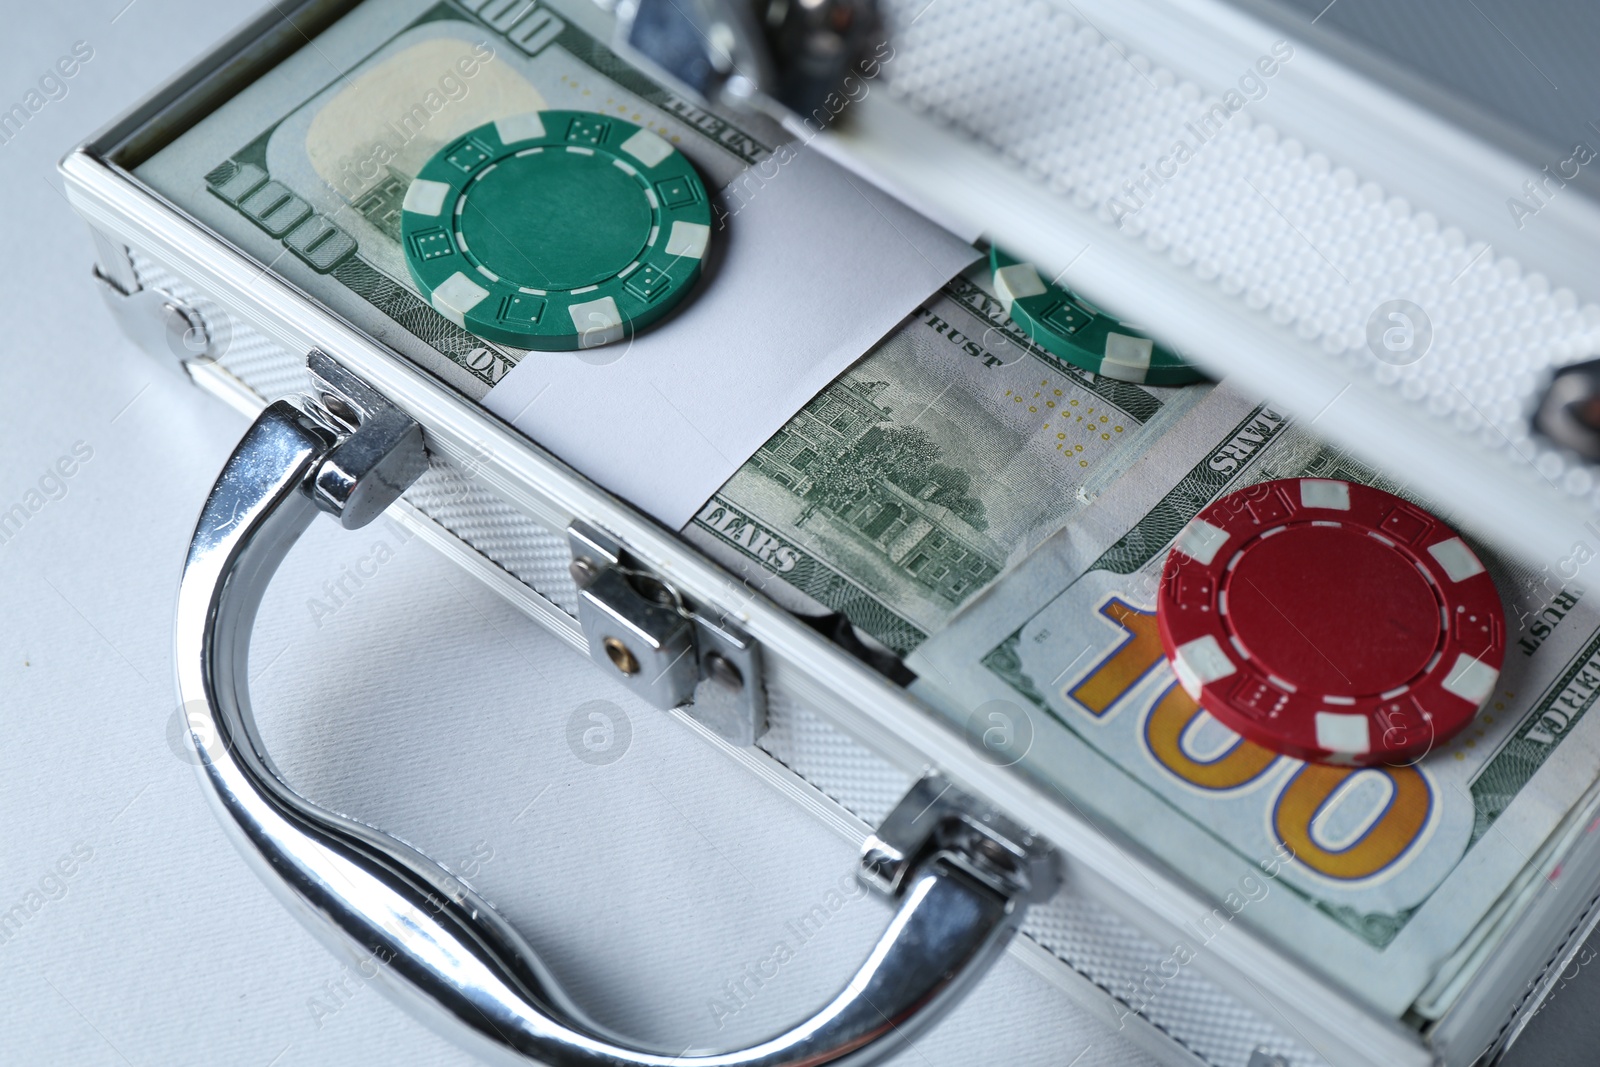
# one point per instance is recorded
(970, 849)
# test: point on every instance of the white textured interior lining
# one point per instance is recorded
(1258, 214)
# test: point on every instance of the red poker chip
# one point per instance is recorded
(1330, 621)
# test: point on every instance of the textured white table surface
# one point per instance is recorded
(423, 704)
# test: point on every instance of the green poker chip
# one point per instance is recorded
(556, 230)
(1071, 329)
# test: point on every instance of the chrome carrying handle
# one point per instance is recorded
(962, 881)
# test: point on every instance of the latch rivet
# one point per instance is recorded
(721, 670)
(186, 332)
(996, 854)
(621, 658)
(340, 409)
(583, 571)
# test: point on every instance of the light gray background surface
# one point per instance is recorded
(422, 704)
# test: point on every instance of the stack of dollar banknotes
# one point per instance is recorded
(989, 514)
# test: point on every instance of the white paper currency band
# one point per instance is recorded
(452, 954)
(772, 332)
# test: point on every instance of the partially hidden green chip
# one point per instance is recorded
(556, 230)
(1072, 329)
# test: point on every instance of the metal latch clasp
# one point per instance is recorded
(380, 451)
(662, 647)
(935, 816)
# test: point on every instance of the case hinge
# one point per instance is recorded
(380, 449)
(157, 321)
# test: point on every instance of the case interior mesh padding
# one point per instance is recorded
(1265, 217)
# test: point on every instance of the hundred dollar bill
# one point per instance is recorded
(1399, 876)
(307, 168)
(924, 471)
